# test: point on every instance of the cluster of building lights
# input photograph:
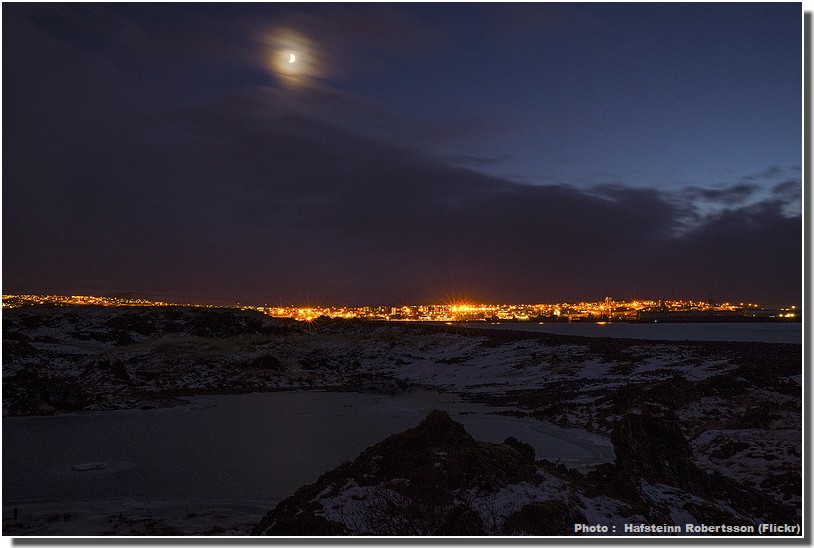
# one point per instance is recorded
(456, 312)
(15, 301)
(606, 309)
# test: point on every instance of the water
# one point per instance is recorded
(756, 332)
(239, 447)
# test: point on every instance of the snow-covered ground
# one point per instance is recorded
(739, 404)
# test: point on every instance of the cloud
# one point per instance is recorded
(474, 160)
(788, 187)
(143, 38)
(705, 205)
(768, 174)
(142, 60)
(789, 194)
(288, 207)
(336, 44)
(754, 251)
(274, 196)
(734, 194)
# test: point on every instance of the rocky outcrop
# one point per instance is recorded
(89, 358)
(652, 451)
(461, 521)
(543, 518)
(435, 479)
(414, 482)
(525, 450)
(655, 450)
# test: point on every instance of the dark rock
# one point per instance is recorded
(543, 518)
(32, 320)
(223, 323)
(400, 384)
(705, 512)
(653, 449)
(461, 521)
(35, 394)
(673, 393)
(728, 449)
(303, 525)
(15, 350)
(787, 484)
(120, 338)
(440, 430)
(267, 361)
(113, 367)
(526, 451)
(383, 386)
(143, 323)
(415, 475)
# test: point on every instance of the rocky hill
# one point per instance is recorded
(435, 479)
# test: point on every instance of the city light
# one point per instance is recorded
(606, 310)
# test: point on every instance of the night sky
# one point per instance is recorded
(405, 153)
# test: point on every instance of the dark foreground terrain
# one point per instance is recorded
(435, 479)
(703, 432)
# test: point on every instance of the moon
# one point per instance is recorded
(292, 58)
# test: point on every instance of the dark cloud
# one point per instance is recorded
(380, 27)
(751, 252)
(734, 194)
(790, 194)
(276, 195)
(160, 41)
(250, 199)
(788, 187)
(770, 173)
(474, 160)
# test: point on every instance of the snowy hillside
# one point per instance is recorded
(738, 405)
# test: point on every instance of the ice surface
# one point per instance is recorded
(255, 446)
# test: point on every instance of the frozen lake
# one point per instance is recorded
(251, 447)
(778, 332)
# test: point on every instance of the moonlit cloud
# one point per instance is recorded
(293, 58)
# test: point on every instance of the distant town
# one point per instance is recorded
(590, 311)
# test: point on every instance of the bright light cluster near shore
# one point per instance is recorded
(606, 309)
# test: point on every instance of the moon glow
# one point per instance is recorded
(292, 58)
